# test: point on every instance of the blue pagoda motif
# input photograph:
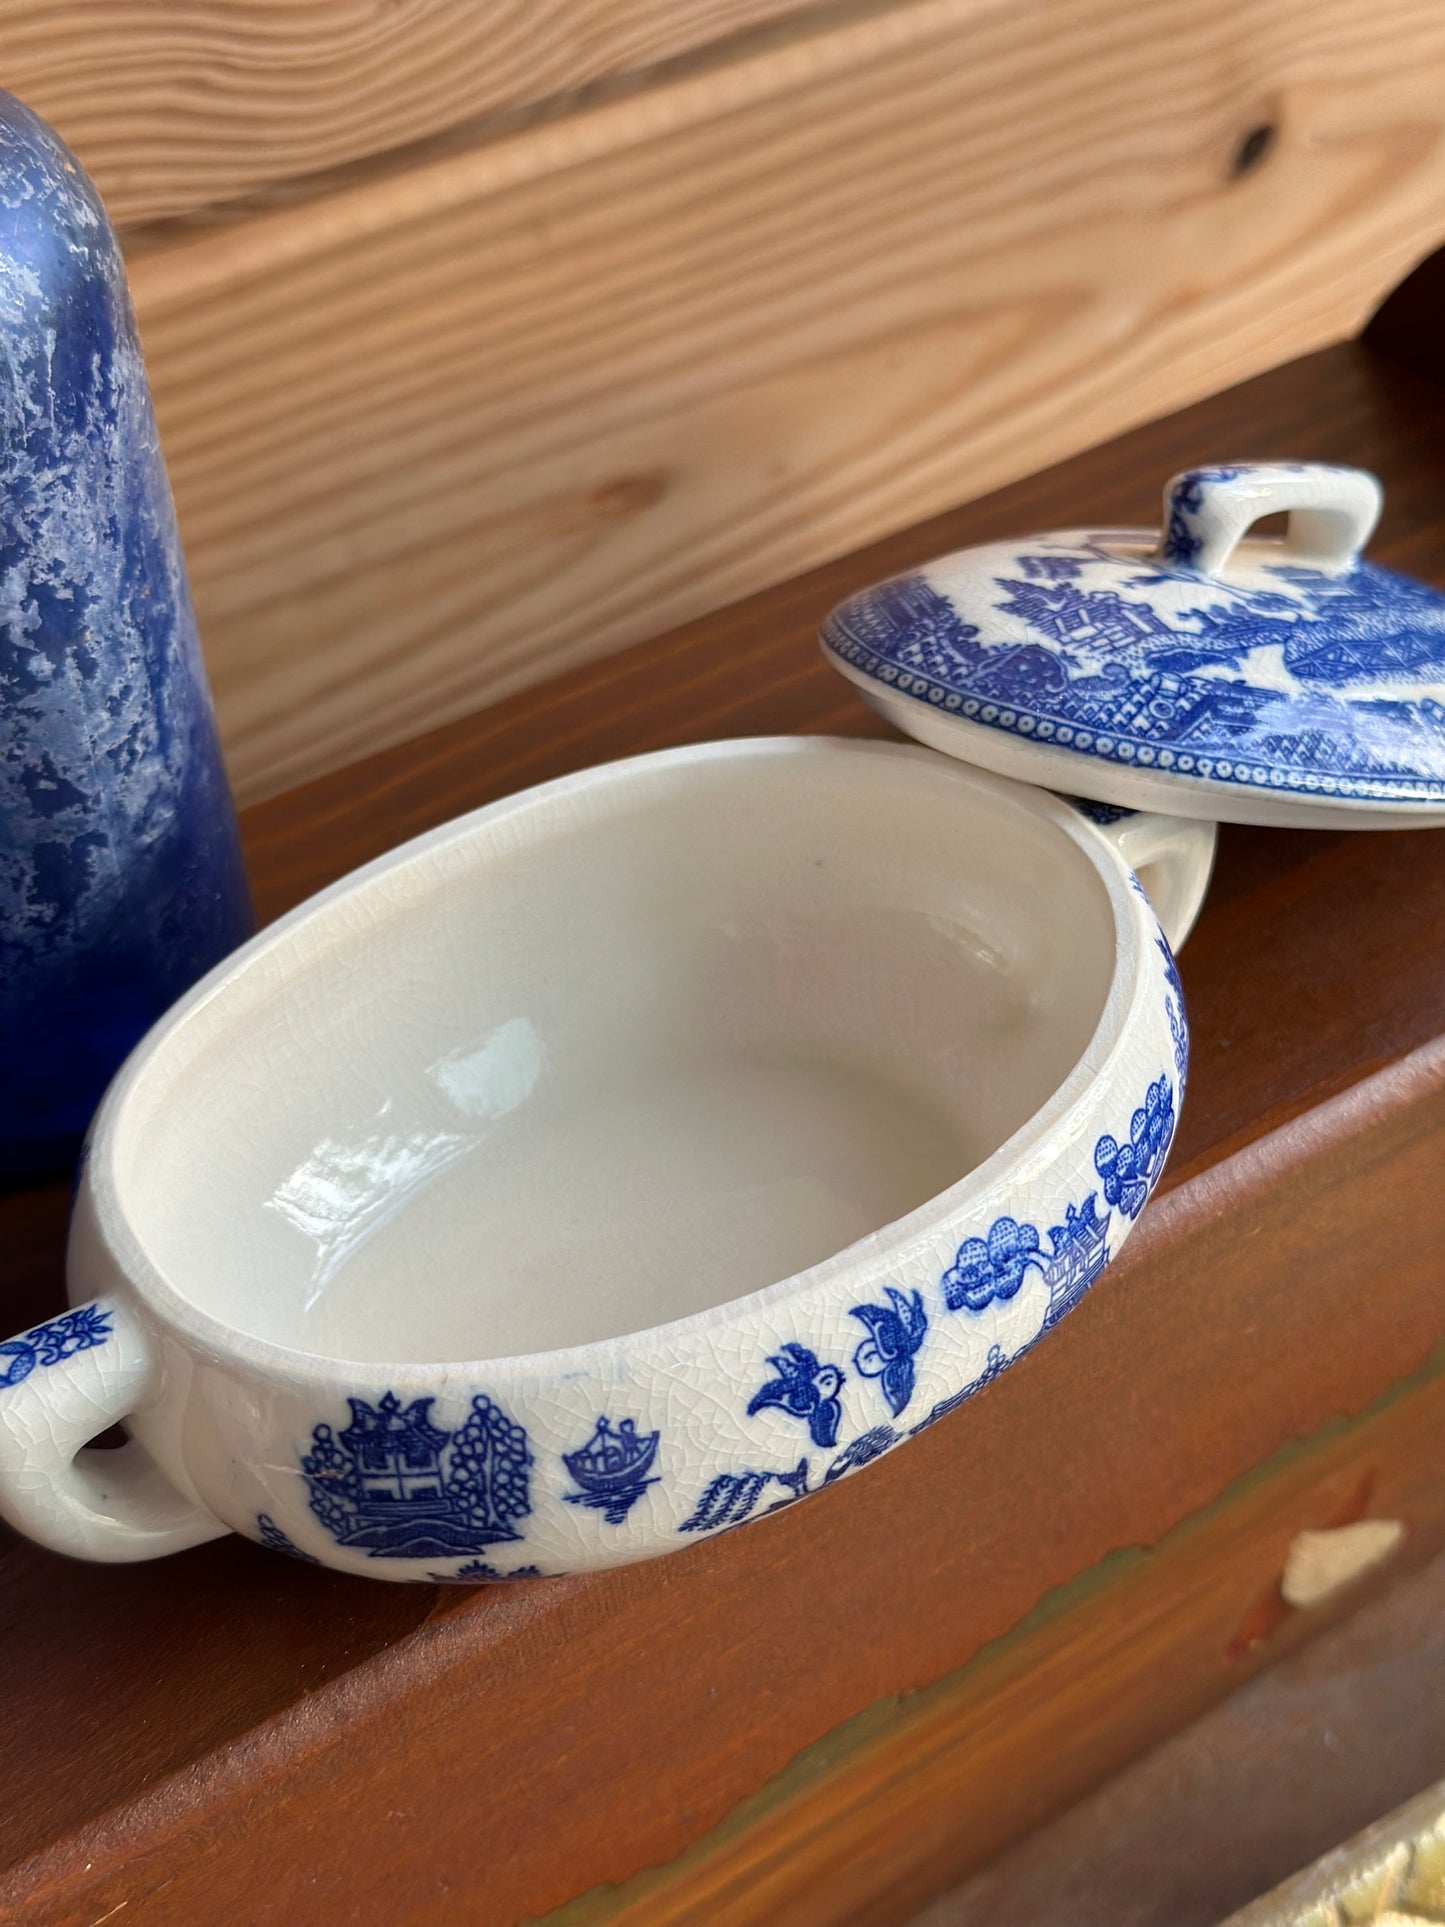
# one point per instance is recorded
(1080, 1253)
(612, 1469)
(397, 1485)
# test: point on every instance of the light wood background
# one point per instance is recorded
(473, 406)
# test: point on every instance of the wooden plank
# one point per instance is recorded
(512, 1752)
(449, 431)
(175, 1732)
(876, 1818)
(176, 107)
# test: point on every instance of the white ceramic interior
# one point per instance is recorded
(616, 1052)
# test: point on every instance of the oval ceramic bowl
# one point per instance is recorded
(617, 1164)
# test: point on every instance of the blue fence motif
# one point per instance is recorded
(993, 1365)
(863, 1450)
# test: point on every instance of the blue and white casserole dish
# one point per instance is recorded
(634, 1157)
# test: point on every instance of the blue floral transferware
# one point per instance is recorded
(1196, 671)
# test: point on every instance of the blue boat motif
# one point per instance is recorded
(398, 1486)
(612, 1469)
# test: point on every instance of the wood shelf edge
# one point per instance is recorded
(811, 1848)
(1361, 1144)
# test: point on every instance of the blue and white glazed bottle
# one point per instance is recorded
(120, 870)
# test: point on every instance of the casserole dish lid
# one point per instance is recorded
(1197, 670)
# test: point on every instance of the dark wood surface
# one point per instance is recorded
(192, 1736)
(882, 1816)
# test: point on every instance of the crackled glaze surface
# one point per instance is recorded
(1210, 663)
(120, 875)
(407, 1292)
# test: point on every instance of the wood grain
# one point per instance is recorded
(597, 1726)
(177, 105)
(224, 1735)
(439, 435)
(877, 1818)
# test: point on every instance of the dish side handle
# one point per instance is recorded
(61, 1384)
(1172, 856)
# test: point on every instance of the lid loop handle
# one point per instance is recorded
(1207, 511)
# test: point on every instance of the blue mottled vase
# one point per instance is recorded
(120, 870)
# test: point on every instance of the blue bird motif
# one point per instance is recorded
(895, 1332)
(806, 1389)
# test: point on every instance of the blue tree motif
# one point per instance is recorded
(862, 1451)
(488, 1476)
(80, 1330)
(1129, 1170)
(895, 1333)
(729, 1500)
(733, 1497)
(986, 1269)
(805, 1389)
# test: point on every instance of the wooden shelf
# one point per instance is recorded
(222, 1735)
